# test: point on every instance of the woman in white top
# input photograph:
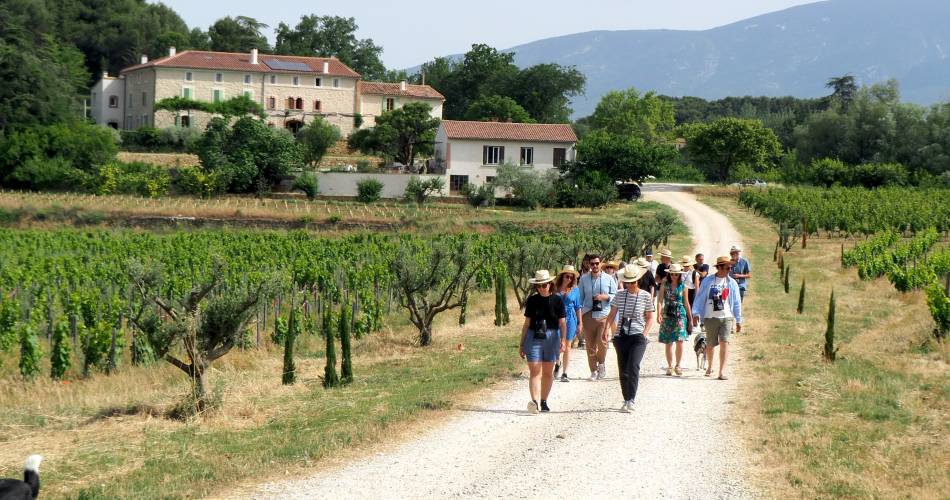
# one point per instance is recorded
(635, 309)
(691, 280)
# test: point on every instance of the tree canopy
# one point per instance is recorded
(497, 108)
(622, 157)
(326, 36)
(726, 143)
(237, 34)
(400, 134)
(626, 112)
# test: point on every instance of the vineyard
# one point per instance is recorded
(852, 211)
(97, 299)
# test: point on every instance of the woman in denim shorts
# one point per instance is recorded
(542, 338)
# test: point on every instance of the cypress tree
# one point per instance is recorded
(830, 351)
(346, 370)
(60, 354)
(30, 352)
(330, 378)
(801, 298)
(787, 272)
(290, 337)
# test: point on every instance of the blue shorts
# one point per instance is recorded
(544, 350)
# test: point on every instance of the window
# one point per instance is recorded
(527, 156)
(493, 155)
(489, 179)
(273, 79)
(217, 95)
(271, 103)
(188, 76)
(296, 81)
(316, 82)
(299, 103)
(185, 121)
(218, 77)
(113, 101)
(290, 103)
(456, 182)
(390, 104)
(187, 93)
(247, 79)
(316, 105)
(336, 83)
(114, 125)
(144, 99)
(560, 156)
(144, 120)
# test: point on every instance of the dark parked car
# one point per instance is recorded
(628, 191)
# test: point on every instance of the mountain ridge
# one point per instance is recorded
(788, 52)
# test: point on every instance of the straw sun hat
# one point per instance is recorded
(642, 262)
(675, 269)
(611, 263)
(724, 259)
(631, 274)
(569, 269)
(666, 252)
(687, 261)
(541, 277)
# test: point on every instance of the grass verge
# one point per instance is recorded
(873, 423)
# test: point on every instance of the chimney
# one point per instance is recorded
(253, 56)
(326, 67)
(105, 74)
(402, 85)
(144, 59)
(172, 51)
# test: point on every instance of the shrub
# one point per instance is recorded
(366, 166)
(248, 157)
(594, 189)
(419, 190)
(530, 189)
(681, 172)
(368, 190)
(136, 178)
(199, 182)
(308, 183)
(143, 137)
(78, 149)
(316, 138)
(357, 120)
(483, 195)
(179, 139)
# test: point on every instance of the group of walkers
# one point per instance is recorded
(615, 302)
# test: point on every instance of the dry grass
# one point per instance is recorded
(872, 424)
(105, 436)
(169, 160)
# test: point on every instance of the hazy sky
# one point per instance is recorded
(414, 31)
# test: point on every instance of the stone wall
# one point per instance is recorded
(344, 184)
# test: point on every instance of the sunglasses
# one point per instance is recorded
(595, 263)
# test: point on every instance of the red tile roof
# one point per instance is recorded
(395, 89)
(535, 132)
(236, 61)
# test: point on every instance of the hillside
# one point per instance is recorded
(790, 52)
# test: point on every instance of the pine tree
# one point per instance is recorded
(787, 272)
(290, 337)
(830, 352)
(60, 354)
(346, 369)
(330, 378)
(801, 298)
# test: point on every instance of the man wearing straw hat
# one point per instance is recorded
(597, 290)
(719, 304)
(666, 259)
(741, 271)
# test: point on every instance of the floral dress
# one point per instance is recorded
(673, 328)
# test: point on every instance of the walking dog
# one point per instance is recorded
(699, 347)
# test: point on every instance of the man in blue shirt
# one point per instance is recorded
(719, 304)
(741, 271)
(597, 289)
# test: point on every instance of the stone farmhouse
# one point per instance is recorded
(470, 152)
(293, 90)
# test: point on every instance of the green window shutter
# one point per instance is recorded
(217, 96)
(187, 94)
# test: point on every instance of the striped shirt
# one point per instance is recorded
(631, 309)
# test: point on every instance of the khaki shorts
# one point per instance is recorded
(719, 329)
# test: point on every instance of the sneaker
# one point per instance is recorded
(564, 378)
(593, 375)
(557, 369)
(544, 406)
(601, 371)
(533, 407)
(626, 407)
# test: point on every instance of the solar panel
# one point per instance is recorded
(286, 65)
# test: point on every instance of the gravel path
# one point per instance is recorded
(676, 444)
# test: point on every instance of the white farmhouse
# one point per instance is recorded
(106, 101)
(470, 152)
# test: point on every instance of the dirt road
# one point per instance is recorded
(679, 442)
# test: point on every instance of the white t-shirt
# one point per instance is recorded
(653, 265)
(717, 302)
(688, 279)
